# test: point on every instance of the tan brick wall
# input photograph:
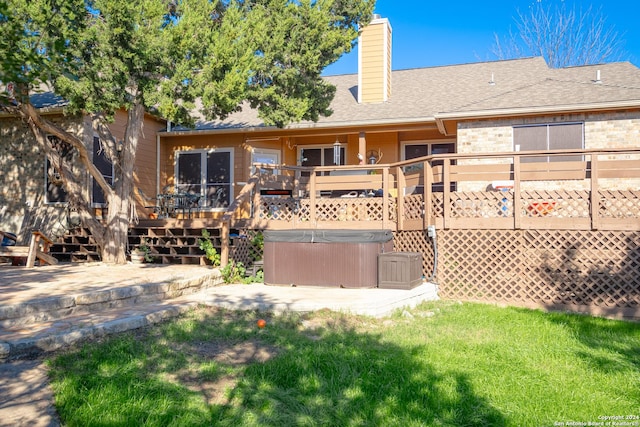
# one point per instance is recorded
(601, 130)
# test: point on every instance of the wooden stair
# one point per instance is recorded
(77, 245)
(169, 243)
(174, 244)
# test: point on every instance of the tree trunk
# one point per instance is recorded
(114, 250)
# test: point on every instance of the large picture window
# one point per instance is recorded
(555, 136)
(208, 174)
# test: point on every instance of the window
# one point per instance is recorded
(319, 156)
(549, 137)
(208, 174)
(266, 156)
(415, 150)
(104, 165)
(54, 190)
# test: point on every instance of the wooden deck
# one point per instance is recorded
(499, 191)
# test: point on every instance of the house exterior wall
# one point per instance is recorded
(616, 129)
(22, 181)
(145, 171)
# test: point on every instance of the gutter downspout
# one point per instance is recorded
(157, 163)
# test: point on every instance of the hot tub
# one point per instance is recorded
(330, 258)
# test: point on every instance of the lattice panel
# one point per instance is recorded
(562, 204)
(480, 204)
(247, 247)
(437, 204)
(619, 204)
(584, 268)
(416, 241)
(276, 208)
(413, 206)
(336, 209)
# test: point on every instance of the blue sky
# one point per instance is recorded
(431, 33)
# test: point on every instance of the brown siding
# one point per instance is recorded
(144, 171)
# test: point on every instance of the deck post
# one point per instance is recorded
(224, 243)
(446, 192)
(400, 196)
(517, 199)
(362, 147)
(595, 194)
(312, 197)
(427, 208)
(385, 198)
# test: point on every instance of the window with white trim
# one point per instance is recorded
(267, 156)
(552, 136)
(207, 173)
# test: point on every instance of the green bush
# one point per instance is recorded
(210, 252)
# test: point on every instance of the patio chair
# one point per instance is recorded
(186, 203)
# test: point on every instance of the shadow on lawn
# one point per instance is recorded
(611, 346)
(331, 374)
(335, 376)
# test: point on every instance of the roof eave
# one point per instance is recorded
(42, 110)
(400, 122)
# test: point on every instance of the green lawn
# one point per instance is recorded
(441, 364)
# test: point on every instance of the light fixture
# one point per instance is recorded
(336, 152)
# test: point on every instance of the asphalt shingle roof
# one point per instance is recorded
(424, 93)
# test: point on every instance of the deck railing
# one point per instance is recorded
(598, 190)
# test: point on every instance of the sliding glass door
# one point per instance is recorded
(208, 174)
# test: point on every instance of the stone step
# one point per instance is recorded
(56, 307)
(22, 341)
(50, 323)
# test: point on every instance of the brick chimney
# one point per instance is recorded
(374, 61)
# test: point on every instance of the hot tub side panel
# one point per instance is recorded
(335, 264)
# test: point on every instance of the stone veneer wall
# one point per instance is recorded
(601, 130)
(22, 183)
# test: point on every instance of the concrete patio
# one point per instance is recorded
(50, 307)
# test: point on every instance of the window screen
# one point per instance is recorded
(219, 179)
(548, 137)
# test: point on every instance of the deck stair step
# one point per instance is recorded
(174, 244)
(76, 245)
(169, 243)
